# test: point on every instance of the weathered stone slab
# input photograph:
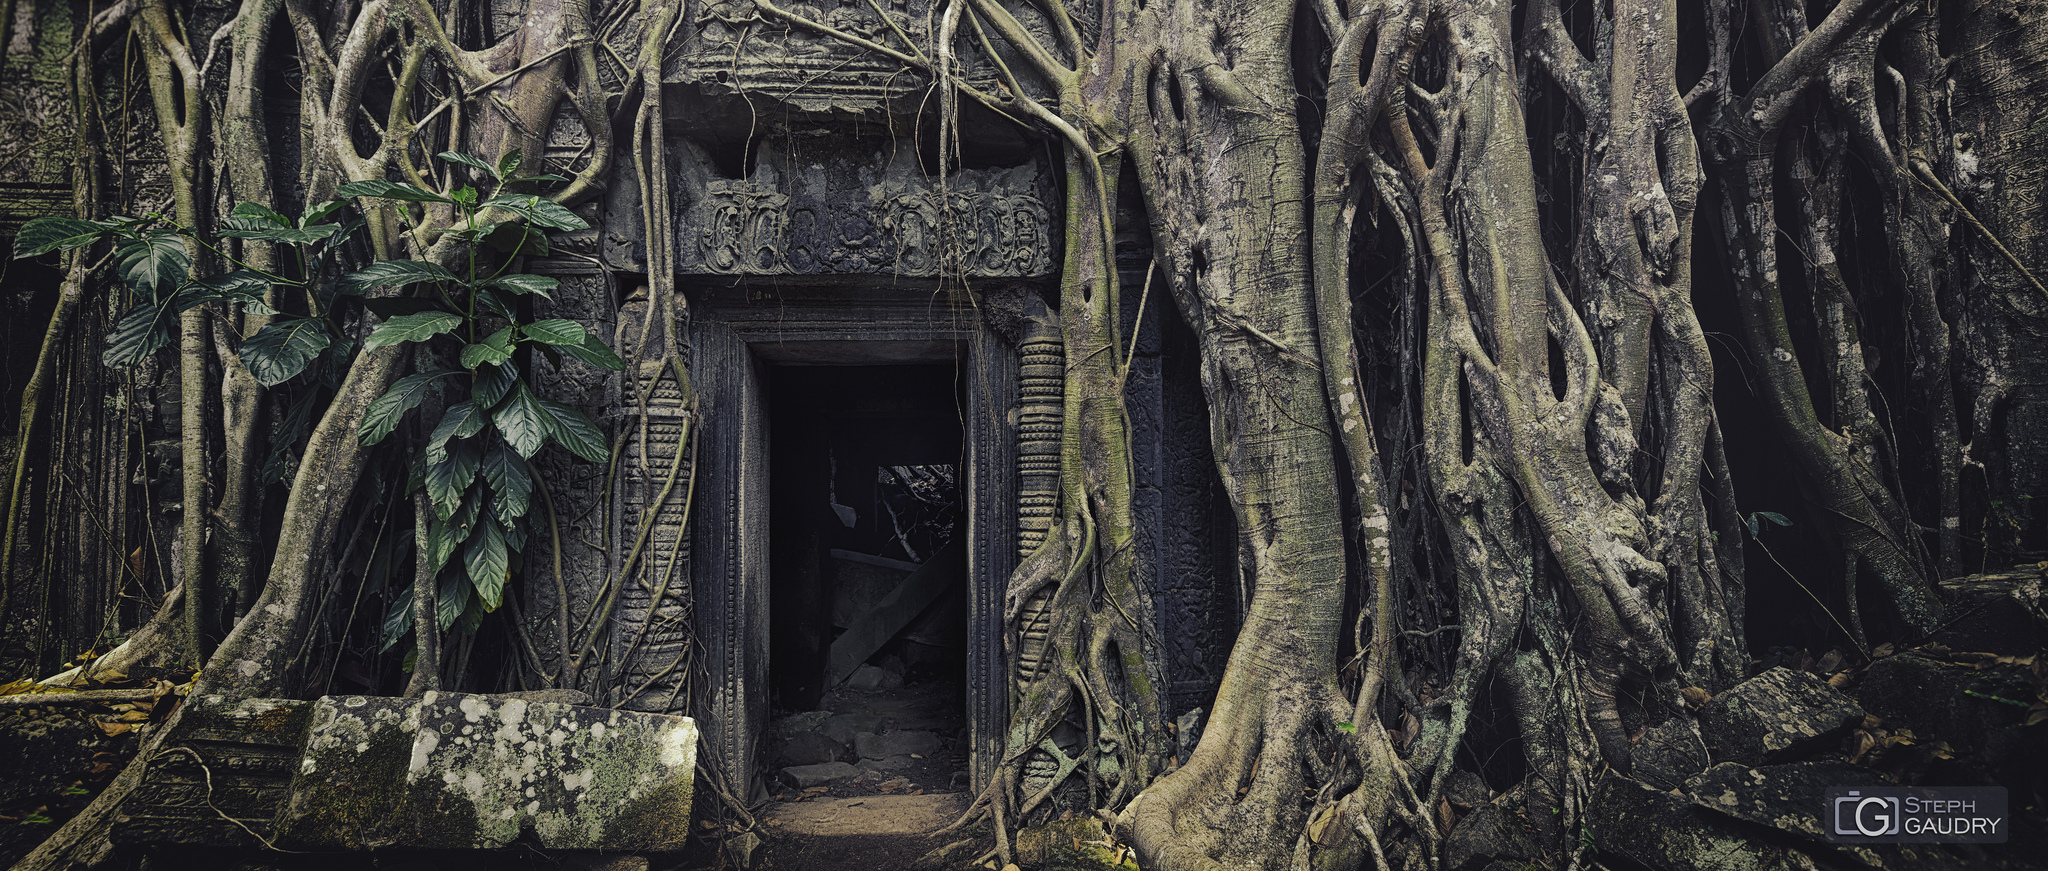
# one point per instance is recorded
(797, 724)
(42, 750)
(1656, 829)
(868, 677)
(222, 778)
(811, 748)
(453, 771)
(1784, 797)
(889, 765)
(872, 746)
(844, 728)
(824, 774)
(1775, 717)
(2002, 612)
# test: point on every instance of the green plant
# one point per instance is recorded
(475, 463)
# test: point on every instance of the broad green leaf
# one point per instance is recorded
(404, 396)
(244, 286)
(574, 430)
(495, 348)
(1775, 517)
(472, 617)
(508, 164)
(240, 227)
(463, 523)
(317, 212)
(398, 620)
(488, 563)
(154, 263)
(523, 422)
(466, 160)
(412, 328)
(525, 284)
(594, 351)
(464, 195)
(546, 176)
(441, 543)
(281, 350)
(44, 235)
(554, 331)
(138, 334)
(449, 479)
(393, 273)
(540, 211)
(462, 420)
(494, 303)
(511, 486)
(452, 598)
(515, 238)
(491, 385)
(260, 212)
(515, 541)
(389, 191)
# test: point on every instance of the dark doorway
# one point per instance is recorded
(867, 538)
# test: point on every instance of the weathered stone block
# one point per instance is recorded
(872, 746)
(453, 771)
(1775, 717)
(43, 750)
(1784, 797)
(222, 779)
(2002, 612)
(797, 724)
(1656, 829)
(843, 728)
(868, 677)
(890, 765)
(807, 776)
(811, 748)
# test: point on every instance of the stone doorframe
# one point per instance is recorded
(737, 330)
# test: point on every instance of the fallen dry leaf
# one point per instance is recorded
(1695, 697)
(1829, 662)
(1839, 679)
(113, 729)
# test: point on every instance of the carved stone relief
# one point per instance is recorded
(1041, 409)
(738, 51)
(862, 213)
(656, 465)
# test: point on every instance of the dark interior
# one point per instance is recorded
(865, 475)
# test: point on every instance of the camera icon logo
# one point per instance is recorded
(1871, 816)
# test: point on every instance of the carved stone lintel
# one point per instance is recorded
(852, 212)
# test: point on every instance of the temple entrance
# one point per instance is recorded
(868, 578)
(857, 525)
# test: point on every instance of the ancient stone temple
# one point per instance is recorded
(858, 333)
